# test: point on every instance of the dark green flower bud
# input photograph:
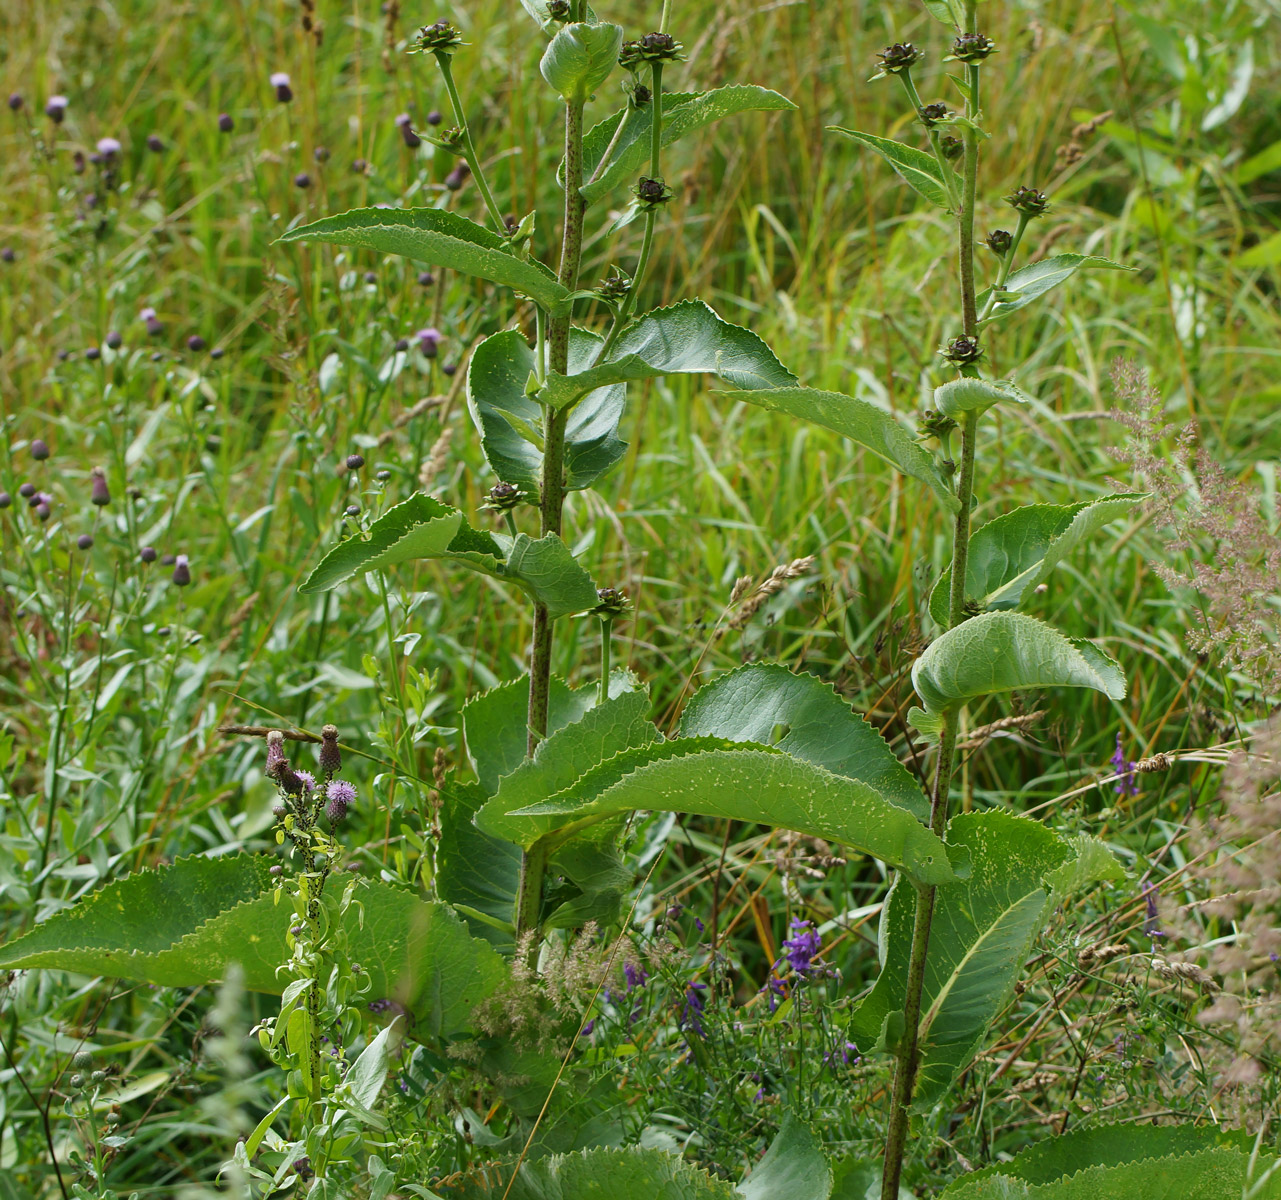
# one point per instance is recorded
(82, 1060)
(640, 95)
(999, 242)
(77, 1082)
(934, 424)
(951, 147)
(652, 192)
(900, 57)
(440, 38)
(504, 497)
(558, 10)
(1028, 201)
(962, 350)
(613, 601)
(614, 286)
(652, 48)
(932, 114)
(972, 47)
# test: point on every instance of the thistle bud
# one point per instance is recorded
(276, 869)
(962, 350)
(155, 144)
(181, 572)
(56, 109)
(434, 117)
(504, 496)
(225, 123)
(330, 757)
(558, 10)
(7, 254)
(43, 511)
(39, 449)
(999, 242)
(440, 38)
(101, 495)
(652, 48)
(275, 752)
(85, 541)
(195, 343)
(352, 510)
(26, 490)
(428, 340)
(934, 424)
(613, 602)
(93, 353)
(302, 181)
(147, 554)
(5, 500)
(896, 59)
(108, 148)
(614, 286)
(972, 47)
(407, 134)
(640, 95)
(457, 177)
(82, 1060)
(15, 102)
(321, 154)
(382, 476)
(1028, 201)
(652, 192)
(280, 82)
(340, 794)
(355, 462)
(426, 278)
(932, 114)
(114, 340)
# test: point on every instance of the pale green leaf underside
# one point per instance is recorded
(496, 376)
(743, 782)
(423, 527)
(863, 423)
(180, 925)
(983, 930)
(1003, 652)
(1015, 553)
(804, 717)
(688, 338)
(441, 238)
(918, 168)
(580, 57)
(683, 113)
(1028, 283)
(960, 396)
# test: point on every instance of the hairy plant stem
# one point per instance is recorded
(469, 148)
(534, 860)
(908, 1051)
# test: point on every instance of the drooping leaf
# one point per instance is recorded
(473, 868)
(1027, 283)
(683, 113)
(504, 414)
(741, 781)
(947, 11)
(180, 925)
(424, 527)
(1015, 553)
(983, 930)
(918, 168)
(863, 423)
(443, 239)
(580, 57)
(794, 1167)
(966, 395)
(804, 717)
(688, 338)
(1003, 652)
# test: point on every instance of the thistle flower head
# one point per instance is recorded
(330, 757)
(56, 109)
(652, 48)
(972, 47)
(15, 102)
(225, 123)
(899, 57)
(440, 38)
(275, 753)
(108, 147)
(962, 350)
(1028, 201)
(428, 340)
(307, 779)
(999, 242)
(339, 794)
(181, 571)
(280, 82)
(101, 494)
(39, 449)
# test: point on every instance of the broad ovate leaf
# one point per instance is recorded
(958, 397)
(1027, 283)
(918, 168)
(510, 420)
(794, 1167)
(804, 717)
(1004, 652)
(180, 925)
(475, 871)
(580, 57)
(865, 424)
(1015, 553)
(983, 931)
(423, 527)
(688, 338)
(683, 113)
(742, 781)
(443, 239)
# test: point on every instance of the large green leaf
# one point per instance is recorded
(630, 1173)
(180, 925)
(424, 527)
(863, 423)
(683, 113)
(1027, 283)
(580, 57)
(1015, 553)
(474, 869)
(982, 933)
(510, 420)
(1003, 652)
(804, 717)
(919, 169)
(794, 1167)
(443, 239)
(969, 394)
(688, 338)
(741, 781)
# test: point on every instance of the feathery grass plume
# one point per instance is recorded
(773, 583)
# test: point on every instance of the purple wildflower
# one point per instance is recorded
(308, 780)
(1152, 920)
(1127, 783)
(801, 948)
(692, 1012)
(226, 123)
(405, 124)
(56, 109)
(280, 81)
(340, 794)
(635, 976)
(428, 340)
(181, 571)
(108, 147)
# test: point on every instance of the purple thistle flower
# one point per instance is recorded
(405, 124)
(101, 494)
(181, 571)
(15, 102)
(155, 143)
(1127, 783)
(225, 123)
(340, 794)
(693, 1010)
(428, 340)
(108, 147)
(308, 780)
(280, 81)
(56, 109)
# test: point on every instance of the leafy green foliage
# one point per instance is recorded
(864, 424)
(919, 169)
(1030, 282)
(683, 113)
(794, 1167)
(1015, 553)
(441, 238)
(474, 869)
(1004, 652)
(424, 527)
(179, 926)
(965, 395)
(983, 930)
(580, 57)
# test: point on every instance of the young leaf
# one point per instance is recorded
(742, 781)
(688, 338)
(365, 1078)
(863, 423)
(500, 407)
(918, 168)
(579, 59)
(793, 1167)
(749, 704)
(683, 113)
(1002, 652)
(966, 395)
(1027, 283)
(1014, 554)
(443, 239)
(982, 933)
(424, 527)
(180, 925)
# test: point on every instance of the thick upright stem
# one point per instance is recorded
(908, 1050)
(552, 502)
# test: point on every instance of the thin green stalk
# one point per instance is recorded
(908, 1050)
(1003, 273)
(606, 632)
(469, 148)
(945, 168)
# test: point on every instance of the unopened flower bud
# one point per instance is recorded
(899, 57)
(82, 1060)
(999, 242)
(39, 449)
(504, 496)
(434, 117)
(352, 510)
(1028, 201)
(321, 154)
(613, 601)
(302, 180)
(27, 490)
(155, 144)
(405, 124)
(440, 38)
(276, 869)
(100, 493)
(614, 286)
(114, 340)
(330, 757)
(640, 95)
(652, 192)
(355, 462)
(652, 48)
(147, 554)
(457, 177)
(85, 541)
(972, 47)
(558, 10)
(951, 147)
(195, 343)
(181, 572)
(15, 102)
(932, 114)
(225, 123)
(43, 511)
(56, 109)
(5, 500)
(962, 350)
